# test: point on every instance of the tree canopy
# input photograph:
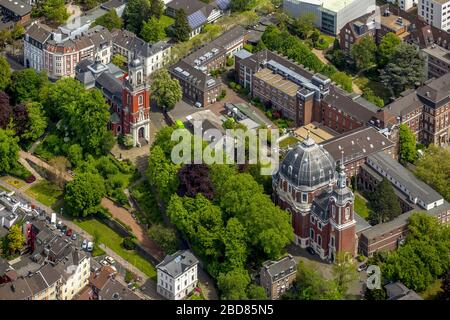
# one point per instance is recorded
(152, 30)
(135, 13)
(384, 203)
(26, 85)
(165, 90)
(37, 121)
(55, 10)
(388, 44)
(5, 73)
(15, 238)
(181, 28)
(9, 150)
(240, 5)
(407, 144)
(109, 20)
(363, 53)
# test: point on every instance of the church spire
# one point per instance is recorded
(342, 179)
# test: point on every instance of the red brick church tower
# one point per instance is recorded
(318, 200)
(136, 104)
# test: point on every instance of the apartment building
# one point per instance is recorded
(276, 277)
(435, 13)
(426, 111)
(437, 61)
(75, 272)
(16, 11)
(177, 275)
(404, 5)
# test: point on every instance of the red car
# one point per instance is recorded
(69, 232)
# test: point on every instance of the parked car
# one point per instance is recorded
(69, 232)
(64, 229)
(104, 263)
(74, 237)
(110, 260)
(198, 105)
(90, 246)
(311, 251)
(362, 267)
(84, 244)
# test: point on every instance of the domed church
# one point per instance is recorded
(316, 196)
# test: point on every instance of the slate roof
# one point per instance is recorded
(177, 263)
(39, 32)
(19, 7)
(398, 291)
(196, 77)
(111, 86)
(17, 290)
(113, 4)
(189, 6)
(286, 265)
(129, 41)
(114, 290)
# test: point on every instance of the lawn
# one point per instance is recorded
(361, 207)
(324, 42)
(377, 87)
(432, 291)
(166, 21)
(4, 189)
(15, 182)
(112, 240)
(45, 192)
(287, 142)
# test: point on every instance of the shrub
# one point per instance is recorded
(21, 172)
(222, 95)
(129, 243)
(129, 276)
(103, 213)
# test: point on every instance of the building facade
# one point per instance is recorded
(276, 277)
(435, 13)
(177, 275)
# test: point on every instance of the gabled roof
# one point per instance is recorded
(177, 263)
(19, 7)
(39, 32)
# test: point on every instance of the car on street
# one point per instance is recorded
(90, 246)
(74, 237)
(64, 229)
(69, 232)
(198, 105)
(104, 263)
(362, 267)
(311, 251)
(84, 244)
(110, 260)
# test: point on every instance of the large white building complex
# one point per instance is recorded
(331, 15)
(435, 13)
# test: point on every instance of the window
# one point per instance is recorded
(332, 241)
(311, 234)
(333, 212)
(319, 240)
(141, 99)
(304, 197)
(347, 213)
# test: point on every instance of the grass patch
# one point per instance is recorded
(166, 21)
(433, 290)
(112, 240)
(324, 42)
(4, 189)
(97, 251)
(377, 87)
(15, 182)
(361, 206)
(45, 192)
(287, 142)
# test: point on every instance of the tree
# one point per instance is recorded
(135, 13)
(255, 292)
(75, 154)
(260, 46)
(234, 238)
(9, 150)
(60, 164)
(370, 96)
(384, 203)
(405, 69)
(164, 237)
(233, 284)
(181, 28)
(15, 238)
(315, 36)
(20, 116)
(6, 111)
(344, 271)
(363, 53)
(375, 294)
(17, 32)
(303, 26)
(5, 73)
(310, 285)
(109, 20)
(84, 193)
(166, 91)
(388, 44)
(5, 38)
(153, 30)
(194, 179)
(37, 122)
(55, 11)
(156, 8)
(407, 142)
(119, 60)
(239, 5)
(26, 85)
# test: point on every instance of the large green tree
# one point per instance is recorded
(164, 237)
(26, 85)
(434, 169)
(15, 239)
(109, 20)
(239, 5)
(135, 13)
(37, 122)
(388, 44)
(162, 173)
(256, 292)
(55, 11)
(156, 8)
(9, 150)
(344, 272)
(363, 53)
(5, 73)
(407, 144)
(84, 194)
(181, 28)
(165, 90)
(152, 30)
(233, 285)
(384, 203)
(303, 26)
(405, 69)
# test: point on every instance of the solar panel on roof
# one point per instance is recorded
(196, 19)
(223, 4)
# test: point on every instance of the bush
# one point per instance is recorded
(21, 172)
(222, 95)
(103, 213)
(129, 276)
(129, 243)
(164, 237)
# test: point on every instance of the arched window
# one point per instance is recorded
(347, 213)
(119, 129)
(311, 234)
(141, 99)
(139, 78)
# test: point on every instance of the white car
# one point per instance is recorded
(84, 244)
(110, 260)
(104, 263)
(90, 246)
(198, 105)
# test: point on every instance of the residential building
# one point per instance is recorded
(330, 15)
(193, 72)
(318, 200)
(276, 277)
(34, 42)
(398, 291)
(299, 94)
(426, 111)
(80, 24)
(16, 11)
(129, 97)
(198, 13)
(75, 271)
(437, 61)
(413, 195)
(153, 56)
(177, 275)
(404, 5)
(435, 13)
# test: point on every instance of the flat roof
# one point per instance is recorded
(278, 81)
(19, 8)
(391, 21)
(438, 52)
(316, 131)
